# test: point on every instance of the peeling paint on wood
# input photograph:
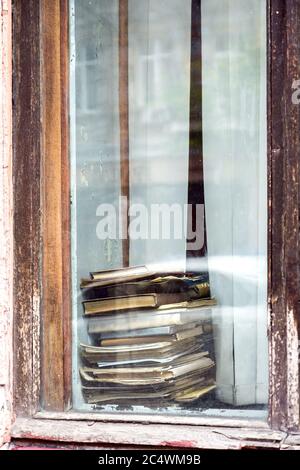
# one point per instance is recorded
(27, 239)
(20, 444)
(146, 434)
(180, 444)
(41, 177)
(6, 223)
(284, 197)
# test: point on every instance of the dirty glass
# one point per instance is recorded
(169, 206)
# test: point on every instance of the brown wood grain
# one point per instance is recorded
(53, 235)
(65, 203)
(124, 120)
(27, 226)
(41, 206)
(284, 154)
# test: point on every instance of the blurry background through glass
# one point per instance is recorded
(168, 106)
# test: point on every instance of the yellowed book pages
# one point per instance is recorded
(87, 349)
(153, 339)
(136, 341)
(209, 302)
(131, 272)
(187, 396)
(144, 301)
(120, 303)
(145, 319)
(144, 375)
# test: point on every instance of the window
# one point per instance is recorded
(162, 103)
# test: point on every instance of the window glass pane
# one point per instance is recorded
(169, 206)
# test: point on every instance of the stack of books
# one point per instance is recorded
(150, 336)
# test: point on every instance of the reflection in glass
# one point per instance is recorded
(168, 144)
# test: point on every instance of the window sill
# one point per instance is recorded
(71, 427)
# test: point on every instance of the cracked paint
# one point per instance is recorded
(6, 222)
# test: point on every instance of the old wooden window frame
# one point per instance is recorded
(42, 310)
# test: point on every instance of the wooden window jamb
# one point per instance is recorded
(41, 206)
(27, 224)
(56, 304)
(283, 164)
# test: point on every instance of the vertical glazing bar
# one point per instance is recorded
(196, 182)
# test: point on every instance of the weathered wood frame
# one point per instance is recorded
(42, 359)
(284, 152)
